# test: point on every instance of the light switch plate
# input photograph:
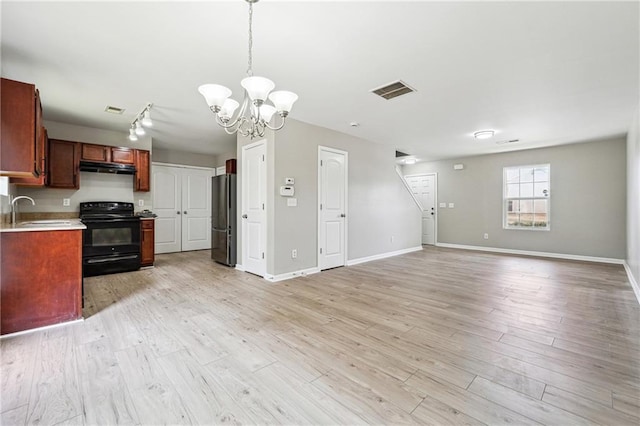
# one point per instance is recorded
(141, 203)
(292, 202)
(66, 202)
(443, 205)
(451, 205)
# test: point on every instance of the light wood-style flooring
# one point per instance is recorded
(439, 336)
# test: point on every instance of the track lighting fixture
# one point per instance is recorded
(142, 120)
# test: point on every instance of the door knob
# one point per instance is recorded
(343, 215)
(185, 212)
(178, 212)
(244, 216)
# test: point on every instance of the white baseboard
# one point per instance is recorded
(46, 327)
(382, 256)
(240, 267)
(535, 253)
(290, 275)
(632, 280)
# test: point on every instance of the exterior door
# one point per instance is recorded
(167, 204)
(196, 209)
(423, 188)
(332, 181)
(254, 217)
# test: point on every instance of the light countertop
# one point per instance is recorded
(43, 225)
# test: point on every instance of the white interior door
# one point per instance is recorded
(166, 185)
(196, 209)
(423, 188)
(254, 217)
(332, 181)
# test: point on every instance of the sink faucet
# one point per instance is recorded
(13, 206)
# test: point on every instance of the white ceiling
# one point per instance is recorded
(543, 72)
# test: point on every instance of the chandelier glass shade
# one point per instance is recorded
(254, 115)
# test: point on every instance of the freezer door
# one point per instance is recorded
(219, 248)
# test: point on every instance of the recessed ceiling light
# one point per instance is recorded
(354, 124)
(113, 110)
(410, 161)
(484, 134)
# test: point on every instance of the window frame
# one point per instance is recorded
(533, 198)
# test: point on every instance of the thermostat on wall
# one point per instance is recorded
(287, 191)
(289, 181)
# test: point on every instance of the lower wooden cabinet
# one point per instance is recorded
(147, 243)
(41, 279)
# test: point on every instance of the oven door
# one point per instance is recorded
(111, 237)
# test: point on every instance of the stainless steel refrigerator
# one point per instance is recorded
(223, 219)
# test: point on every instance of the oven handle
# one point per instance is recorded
(112, 259)
(124, 219)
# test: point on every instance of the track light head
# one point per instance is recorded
(146, 119)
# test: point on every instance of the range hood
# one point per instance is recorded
(115, 168)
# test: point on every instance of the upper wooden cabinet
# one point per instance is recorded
(91, 152)
(21, 149)
(122, 155)
(63, 164)
(142, 180)
(107, 154)
(40, 180)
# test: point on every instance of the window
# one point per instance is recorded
(526, 197)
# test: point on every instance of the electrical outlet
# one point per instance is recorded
(486, 236)
(141, 203)
(294, 253)
(66, 202)
(392, 238)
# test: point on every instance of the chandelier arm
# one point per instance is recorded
(277, 127)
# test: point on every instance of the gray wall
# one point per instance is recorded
(588, 200)
(379, 206)
(633, 198)
(184, 158)
(93, 186)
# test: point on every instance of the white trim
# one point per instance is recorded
(184, 166)
(632, 281)
(346, 202)
(239, 267)
(535, 253)
(290, 275)
(46, 327)
(382, 255)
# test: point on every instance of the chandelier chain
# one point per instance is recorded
(250, 64)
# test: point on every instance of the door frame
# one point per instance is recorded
(240, 211)
(322, 148)
(435, 202)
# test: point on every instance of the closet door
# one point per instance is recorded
(196, 209)
(167, 204)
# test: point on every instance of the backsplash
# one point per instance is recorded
(93, 187)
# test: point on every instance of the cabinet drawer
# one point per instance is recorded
(147, 224)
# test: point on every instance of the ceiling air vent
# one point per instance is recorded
(393, 90)
(113, 110)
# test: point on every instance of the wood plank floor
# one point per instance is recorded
(439, 336)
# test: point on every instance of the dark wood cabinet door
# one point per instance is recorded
(41, 179)
(64, 160)
(91, 152)
(147, 245)
(35, 292)
(18, 141)
(122, 155)
(142, 178)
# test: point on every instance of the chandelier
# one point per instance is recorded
(255, 115)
